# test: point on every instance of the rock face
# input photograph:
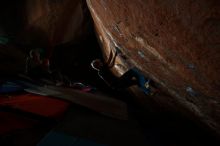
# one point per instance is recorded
(44, 22)
(56, 21)
(39, 24)
(175, 43)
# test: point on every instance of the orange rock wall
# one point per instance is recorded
(176, 43)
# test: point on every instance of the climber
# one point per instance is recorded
(129, 78)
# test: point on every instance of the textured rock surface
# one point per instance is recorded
(57, 21)
(39, 24)
(44, 22)
(176, 43)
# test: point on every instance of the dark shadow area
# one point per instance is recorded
(71, 61)
(11, 15)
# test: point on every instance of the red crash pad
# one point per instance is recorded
(35, 104)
